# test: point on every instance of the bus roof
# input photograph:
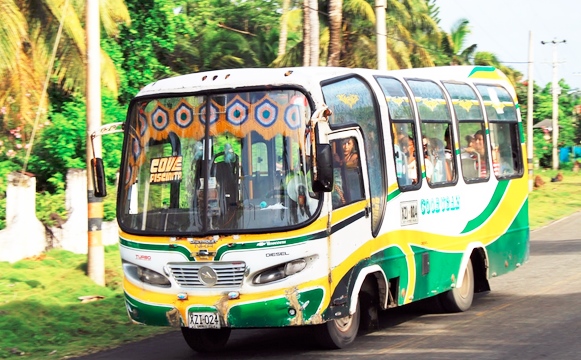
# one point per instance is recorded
(305, 76)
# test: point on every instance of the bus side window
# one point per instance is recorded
(348, 183)
(405, 154)
(504, 131)
(468, 110)
(436, 128)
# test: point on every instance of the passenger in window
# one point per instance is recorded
(469, 143)
(479, 154)
(402, 139)
(350, 156)
(441, 172)
(449, 153)
(427, 161)
(500, 165)
(496, 160)
(401, 162)
(448, 146)
(412, 163)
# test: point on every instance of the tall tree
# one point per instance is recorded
(453, 44)
(335, 24)
(282, 39)
(314, 32)
(306, 33)
(28, 33)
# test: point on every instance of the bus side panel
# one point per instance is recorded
(511, 249)
(275, 312)
(436, 271)
(392, 262)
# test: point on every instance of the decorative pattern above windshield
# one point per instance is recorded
(255, 176)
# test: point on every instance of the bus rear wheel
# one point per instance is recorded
(460, 299)
(338, 333)
(206, 340)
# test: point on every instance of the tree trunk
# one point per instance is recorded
(335, 22)
(306, 33)
(283, 28)
(314, 22)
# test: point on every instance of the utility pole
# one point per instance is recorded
(556, 92)
(381, 31)
(530, 102)
(96, 251)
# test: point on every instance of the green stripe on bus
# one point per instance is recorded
(481, 68)
(291, 241)
(158, 247)
(147, 314)
(393, 194)
(268, 243)
(490, 208)
(275, 312)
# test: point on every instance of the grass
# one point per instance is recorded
(41, 316)
(554, 200)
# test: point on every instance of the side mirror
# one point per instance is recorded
(323, 174)
(98, 177)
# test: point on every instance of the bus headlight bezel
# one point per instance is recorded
(280, 271)
(146, 275)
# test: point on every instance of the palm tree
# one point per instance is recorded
(306, 33)
(282, 39)
(335, 23)
(314, 32)
(408, 22)
(28, 32)
(453, 44)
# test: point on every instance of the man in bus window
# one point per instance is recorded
(480, 154)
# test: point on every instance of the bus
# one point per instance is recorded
(317, 197)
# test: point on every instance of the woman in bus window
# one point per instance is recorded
(480, 156)
(350, 157)
(412, 162)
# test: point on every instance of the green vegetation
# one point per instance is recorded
(41, 315)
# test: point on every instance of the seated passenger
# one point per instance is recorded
(412, 162)
(441, 168)
(350, 156)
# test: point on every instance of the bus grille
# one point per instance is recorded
(228, 273)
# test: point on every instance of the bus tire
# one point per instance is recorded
(206, 340)
(338, 333)
(460, 299)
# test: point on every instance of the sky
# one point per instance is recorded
(502, 27)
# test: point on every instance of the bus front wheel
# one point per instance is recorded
(460, 299)
(206, 340)
(338, 333)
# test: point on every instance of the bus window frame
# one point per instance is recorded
(483, 120)
(414, 124)
(357, 133)
(379, 131)
(513, 123)
(450, 123)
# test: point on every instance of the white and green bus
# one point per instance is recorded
(239, 208)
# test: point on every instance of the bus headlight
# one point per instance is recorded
(280, 272)
(145, 275)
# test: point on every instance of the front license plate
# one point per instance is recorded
(203, 320)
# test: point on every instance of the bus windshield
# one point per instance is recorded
(237, 165)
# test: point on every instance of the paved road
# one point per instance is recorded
(532, 313)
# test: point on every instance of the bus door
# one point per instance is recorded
(350, 215)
